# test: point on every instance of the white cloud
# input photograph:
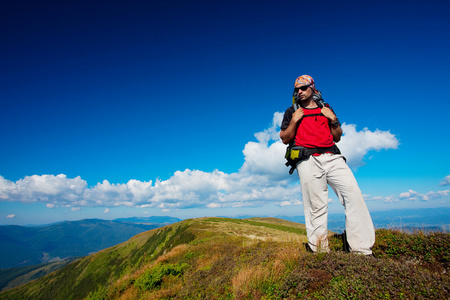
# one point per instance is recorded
(385, 199)
(290, 203)
(262, 158)
(446, 180)
(107, 210)
(266, 157)
(11, 216)
(273, 132)
(45, 188)
(106, 194)
(415, 196)
(354, 145)
(434, 195)
(263, 179)
(185, 189)
(411, 195)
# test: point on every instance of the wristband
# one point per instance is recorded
(335, 123)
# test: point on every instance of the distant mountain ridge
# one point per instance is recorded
(23, 246)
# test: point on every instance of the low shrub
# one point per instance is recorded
(430, 248)
(152, 278)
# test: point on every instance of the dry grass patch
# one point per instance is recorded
(169, 289)
(205, 262)
(131, 293)
(175, 252)
(251, 280)
(247, 280)
(290, 254)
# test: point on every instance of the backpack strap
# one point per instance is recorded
(296, 106)
(304, 153)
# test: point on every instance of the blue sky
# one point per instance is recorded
(115, 109)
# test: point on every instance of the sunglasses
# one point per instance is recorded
(303, 88)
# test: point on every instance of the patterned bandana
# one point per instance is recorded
(305, 80)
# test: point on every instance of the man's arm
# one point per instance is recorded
(336, 131)
(287, 135)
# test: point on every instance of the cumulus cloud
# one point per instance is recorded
(354, 144)
(44, 188)
(185, 189)
(106, 210)
(446, 181)
(408, 195)
(266, 156)
(263, 179)
(11, 216)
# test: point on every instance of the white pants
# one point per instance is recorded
(330, 169)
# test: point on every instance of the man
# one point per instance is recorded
(317, 129)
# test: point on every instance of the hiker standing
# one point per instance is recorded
(314, 129)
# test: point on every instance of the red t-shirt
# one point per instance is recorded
(314, 130)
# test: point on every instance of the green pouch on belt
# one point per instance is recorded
(294, 153)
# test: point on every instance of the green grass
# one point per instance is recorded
(153, 278)
(261, 224)
(209, 258)
(429, 248)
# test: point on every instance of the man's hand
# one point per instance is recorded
(297, 115)
(329, 114)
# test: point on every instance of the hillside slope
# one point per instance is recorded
(24, 246)
(218, 258)
(10, 278)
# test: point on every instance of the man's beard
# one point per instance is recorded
(298, 100)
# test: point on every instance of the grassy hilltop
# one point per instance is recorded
(257, 258)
